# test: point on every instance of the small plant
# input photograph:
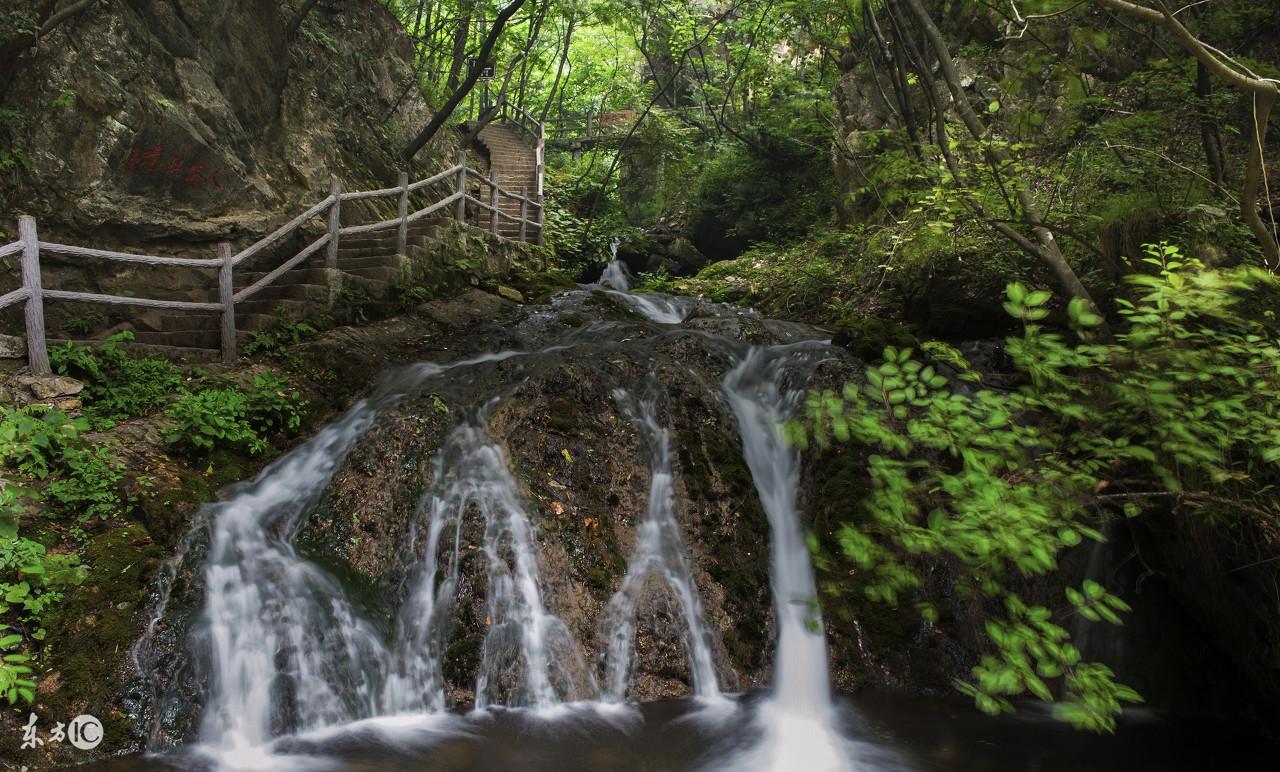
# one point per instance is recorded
(284, 333)
(44, 444)
(233, 418)
(86, 323)
(15, 681)
(66, 98)
(117, 385)
(207, 419)
(91, 488)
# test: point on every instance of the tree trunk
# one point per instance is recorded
(1049, 252)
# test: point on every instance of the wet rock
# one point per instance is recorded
(13, 347)
(469, 308)
(686, 256)
(510, 293)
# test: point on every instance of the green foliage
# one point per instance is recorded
(284, 333)
(40, 443)
(1181, 402)
(117, 385)
(82, 481)
(15, 681)
(234, 418)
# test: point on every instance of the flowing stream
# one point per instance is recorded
(291, 670)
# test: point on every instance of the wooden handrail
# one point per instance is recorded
(420, 184)
(10, 298)
(502, 190)
(125, 300)
(32, 293)
(281, 270)
(126, 257)
(282, 231)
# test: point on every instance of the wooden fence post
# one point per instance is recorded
(37, 347)
(460, 214)
(402, 211)
(524, 213)
(226, 296)
(493, 200)
(335, 221)
(542, 220)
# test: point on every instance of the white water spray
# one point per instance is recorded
(798, 721)
(660, 552)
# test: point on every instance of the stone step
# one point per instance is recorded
(190, 339)
(376, 250)
(384, 260)
(312, 274)
(379, 241)
(288, 309)
(209, 322)
(293, 291)
(379, 273)
(137, 348)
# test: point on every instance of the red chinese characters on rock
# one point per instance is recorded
(191, 175)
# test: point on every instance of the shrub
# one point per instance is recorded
(117, 386)
(1180, 403)
(234, 418)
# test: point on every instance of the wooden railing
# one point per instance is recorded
(33, 293)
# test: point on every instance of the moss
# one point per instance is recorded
(599, 578)
(563, 415)
(95, 626)
(462, 656)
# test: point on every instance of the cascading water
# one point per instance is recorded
(472, 476)
(663, 309)
(273, 622)
(615, 274)
(798, 721)
(659, 551)
(296, 676)
(286, 650)
(522, 635)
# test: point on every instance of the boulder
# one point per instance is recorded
(510, 293)
(48, 387)
(686, 256)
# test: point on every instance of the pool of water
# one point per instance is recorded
(884, 732)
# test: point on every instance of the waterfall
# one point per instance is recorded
(615, 273)
(282, 637)
(527, 651)
(417, 683)
(798, 721)
(659, 551)
(286, 649)
(663, 309)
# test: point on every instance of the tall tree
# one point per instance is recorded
(460, 93)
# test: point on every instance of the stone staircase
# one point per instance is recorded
(515, 161)
(367, 264)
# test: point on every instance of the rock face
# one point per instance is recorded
(584, 475)
(186, 122)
